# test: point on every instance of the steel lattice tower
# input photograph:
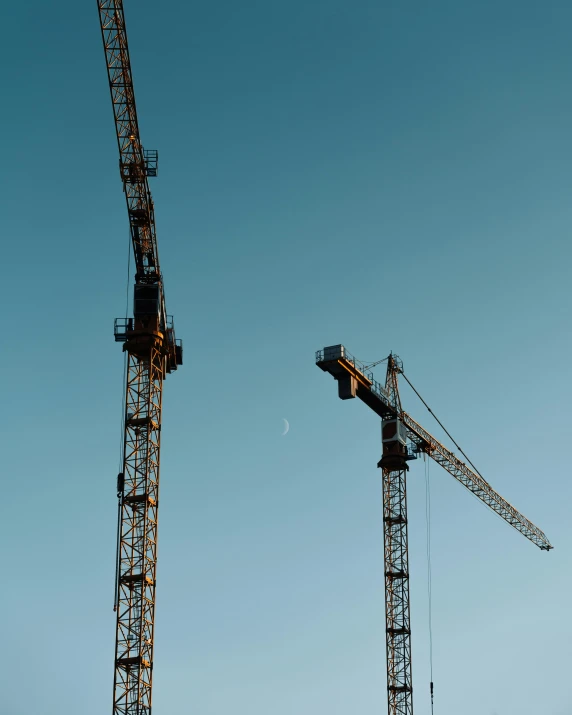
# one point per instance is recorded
(152, 352)
(137, 549)
(396, 569)
(394, 468)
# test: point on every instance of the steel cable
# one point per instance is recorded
(429, 575)
(122, 436)
(442, 426)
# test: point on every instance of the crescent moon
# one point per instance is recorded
(286, 426)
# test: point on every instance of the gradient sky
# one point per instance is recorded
(392, 176)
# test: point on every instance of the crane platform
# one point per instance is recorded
(355, 380)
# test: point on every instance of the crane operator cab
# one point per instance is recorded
(149, 321)
(146, 301)
(394, 444)
(146, 306)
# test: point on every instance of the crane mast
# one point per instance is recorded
(394, 467)
(402, 440)
(152, 351)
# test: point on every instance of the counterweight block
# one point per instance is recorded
(347, 387)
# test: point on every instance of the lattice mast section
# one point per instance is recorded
(138, 491)
(396, 563)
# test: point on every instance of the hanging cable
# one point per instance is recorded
(429, 585)
(121, 475)
(123, 406)
(373, 364)
(128, 276)
(442, 426)
(120, 484)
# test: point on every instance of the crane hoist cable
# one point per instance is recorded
(429, 575)
(118, 540)
(122, 404)
(120, 476)
(428, 531)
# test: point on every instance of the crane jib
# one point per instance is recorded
(354, 380)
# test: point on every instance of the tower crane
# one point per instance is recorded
(152, 351)
(402, 440)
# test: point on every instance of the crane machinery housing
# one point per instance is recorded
(403, 439)
(152, 351)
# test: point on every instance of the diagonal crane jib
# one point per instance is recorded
(132, 159)
(474, 482)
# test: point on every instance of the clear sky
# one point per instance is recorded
(392, 176)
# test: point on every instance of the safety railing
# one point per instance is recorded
(336, 352)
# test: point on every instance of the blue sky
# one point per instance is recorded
(390, 176)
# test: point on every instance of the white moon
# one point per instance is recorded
(286, 426)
